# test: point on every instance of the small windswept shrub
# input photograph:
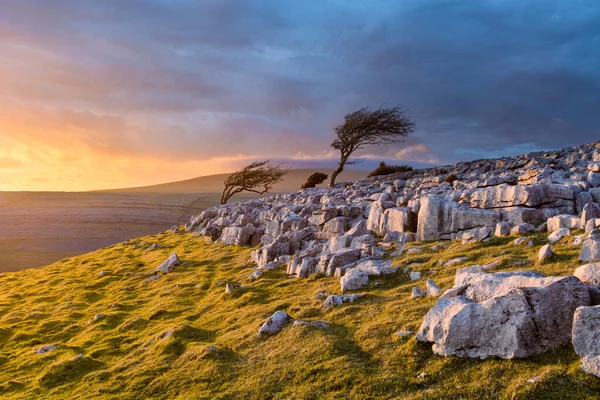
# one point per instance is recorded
(315, 179)
(450, 179)
(385, 169)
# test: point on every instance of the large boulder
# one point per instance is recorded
(506, 315)
(586, 338)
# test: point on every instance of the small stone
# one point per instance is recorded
(45, 349)
(256, 274)
(432, 289)
(415, 276)
(102, 273)
(98, 317)
(336, 300)
(545, 253)
(404, 333)
(169, 264)
(314, 324)
(523, 242)
(417, 292)
(558, 235)
(414, 251)
(590, 251)
(153, 278)
(455, 261)
(275, 323)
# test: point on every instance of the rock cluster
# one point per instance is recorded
(330, 230)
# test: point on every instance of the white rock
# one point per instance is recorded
(417, 292)
(415, 276)
(545, 253)
(169, 264)
(586, 331)
(523, 242)
(455, 261)
(558, 235)
(336, 300)
(590, 251)
(432, 289)
(275, 323)
(589, 273)
(354, 279)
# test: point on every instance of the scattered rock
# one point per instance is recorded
(169, 264)
(314, 324)
(523, 242)
(275, 323)
(46, 349)
(336, 300)
(545, 253)
(432, 289)
(354, 279)
(522, 229)
(417, 292)
(558, 235)
(256, 274)
(415, 276)
(455, 261)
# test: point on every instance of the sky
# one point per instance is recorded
(109, 93)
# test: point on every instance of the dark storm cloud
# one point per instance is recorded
(199, 79)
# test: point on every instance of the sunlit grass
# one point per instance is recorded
(154, 339)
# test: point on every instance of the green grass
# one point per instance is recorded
(155, 339)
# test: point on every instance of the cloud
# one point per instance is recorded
(93, 90)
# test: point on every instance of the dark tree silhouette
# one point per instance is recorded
(365, 127)
(315, 179)
(258, 177)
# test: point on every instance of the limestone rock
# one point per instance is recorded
(558, 235)
(275, 323)
(354, 279)
(589, 273)
(563, 221)
(336, 300)
(590, 251)
(169, 264)
(432, 289)
(545, 253)
(511, 318)
(586, 338)
(417, 292)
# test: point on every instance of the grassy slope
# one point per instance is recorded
(358, 356)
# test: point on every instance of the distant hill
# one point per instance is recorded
(214, 183)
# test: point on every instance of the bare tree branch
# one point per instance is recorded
(364, 127)
(258, 177)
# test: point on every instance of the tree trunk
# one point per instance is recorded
(337, 171)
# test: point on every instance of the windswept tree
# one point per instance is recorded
(258, 177)
(365, 127)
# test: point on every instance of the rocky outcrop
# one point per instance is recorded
(328, 230)
(506, 315)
